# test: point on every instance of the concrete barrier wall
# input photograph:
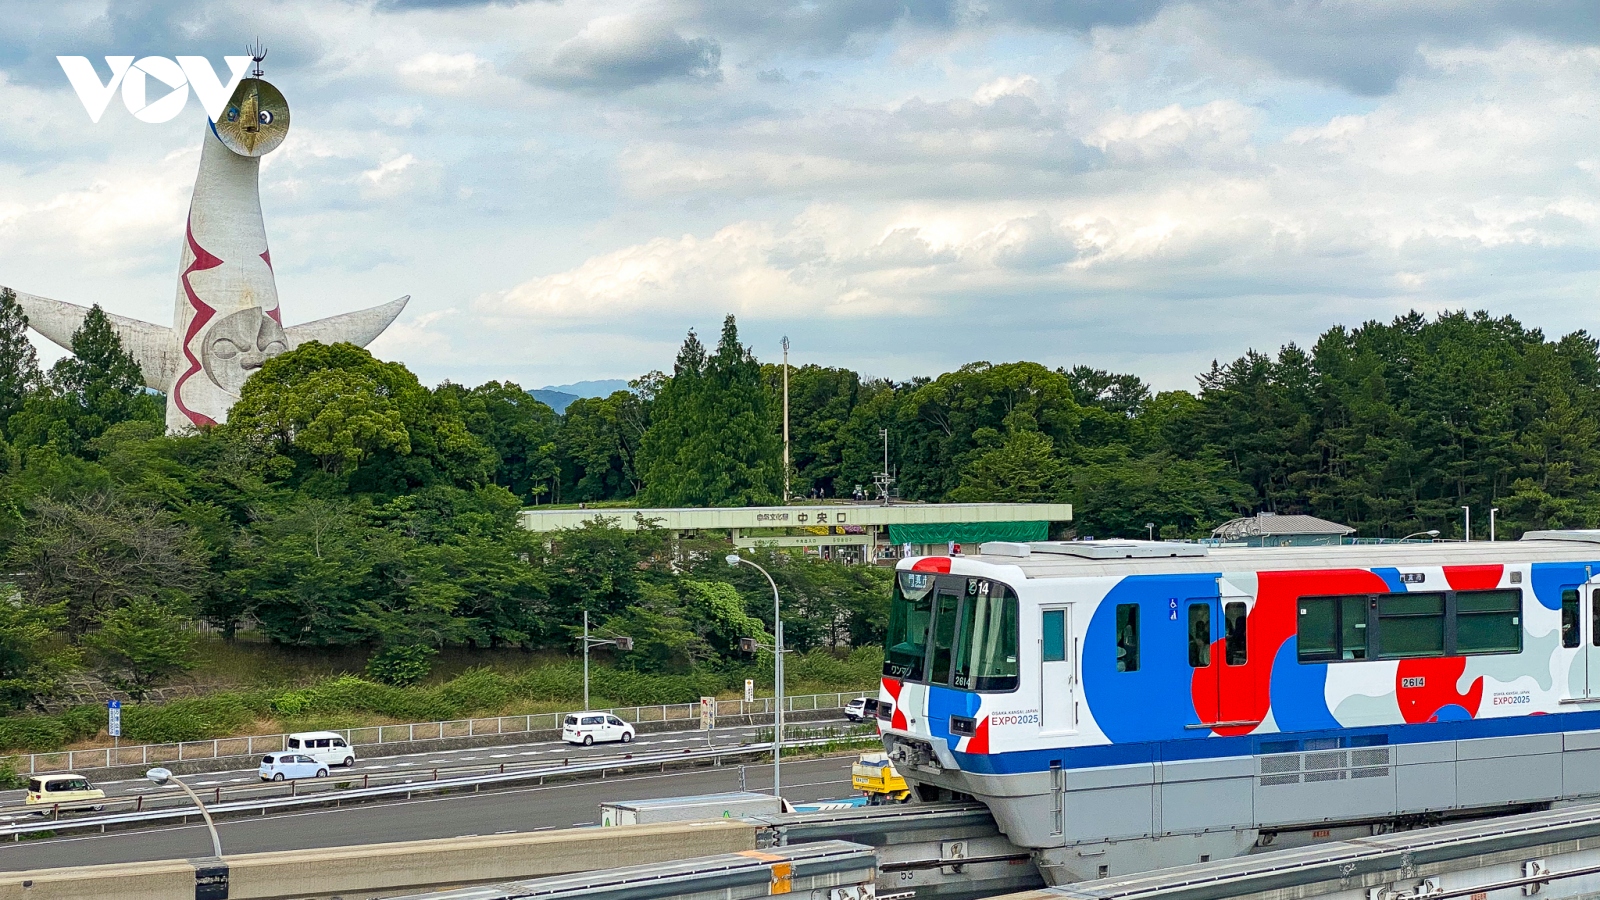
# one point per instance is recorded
(384, 870)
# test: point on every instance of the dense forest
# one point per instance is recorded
(1390, 428)
(345, 504)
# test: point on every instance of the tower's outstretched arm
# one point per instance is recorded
(151, 346)
(358, 327)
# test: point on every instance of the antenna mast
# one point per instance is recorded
(257, 54)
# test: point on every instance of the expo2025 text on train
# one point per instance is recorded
(1126, 705)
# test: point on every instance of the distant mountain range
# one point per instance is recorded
(558, 396)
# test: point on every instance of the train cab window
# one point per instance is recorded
(1569, 618)
(944, 637)
(910, 610)
(1410, 625)
(1199, 635)
(986, 646)
(1235, 621)
(1053, 639)
(1127, 637)
(1332, 628)
(1488, 621)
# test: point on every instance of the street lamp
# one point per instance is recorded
(1492, 511)
(1466, 528)
(1432, 532)
(621, 643)
(1150, 530)
(162, 776)
(750, 645)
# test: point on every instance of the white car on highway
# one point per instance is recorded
(281, 766)
(595, 727)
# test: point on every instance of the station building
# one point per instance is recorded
(843, 531)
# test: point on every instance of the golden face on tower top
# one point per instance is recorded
(255, 120)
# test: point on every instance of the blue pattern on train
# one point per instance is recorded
(1156, 702)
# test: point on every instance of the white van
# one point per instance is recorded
(592, 727)
(326, 747)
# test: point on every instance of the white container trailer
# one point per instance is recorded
(732, 805)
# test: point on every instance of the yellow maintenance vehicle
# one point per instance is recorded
(874, 775)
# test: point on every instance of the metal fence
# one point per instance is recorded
(146, 754)
(278, 795)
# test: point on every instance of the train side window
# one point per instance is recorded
(1332, 628)
(1054, 645)
(1569, 618)
(1127, 637)
(1489, 621)
(1410, 625)
(1594, 626)
(1235, 621)
(1199, 635)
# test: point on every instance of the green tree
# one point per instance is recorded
(143, 642)
(598, 447)
(96, 387)
(1021, 468)
(32, 662)
(369, 425)
(95, 555)
(519, 429)
(19, 364)
(713, 439)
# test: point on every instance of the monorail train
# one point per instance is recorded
(1126, 705)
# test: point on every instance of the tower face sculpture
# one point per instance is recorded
(226, 322)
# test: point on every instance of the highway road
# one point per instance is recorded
(461, 815)
(509, 754)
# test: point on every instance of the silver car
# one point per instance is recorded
(281, 766)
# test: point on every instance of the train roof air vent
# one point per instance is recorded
(1119, 549)
(1589, 536)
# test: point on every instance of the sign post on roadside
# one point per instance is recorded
(114, 721)
(708, 713)
(749, 690)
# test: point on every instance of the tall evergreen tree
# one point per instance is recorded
(96, 387)
(713, 438)
(19, 364)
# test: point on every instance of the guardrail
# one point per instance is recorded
(311, 792)
(250, 745)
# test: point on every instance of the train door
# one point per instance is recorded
(1580, 634)
(1218, 649)
(1057, 671)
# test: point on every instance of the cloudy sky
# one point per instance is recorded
(565, 188)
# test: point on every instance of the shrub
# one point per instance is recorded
(35, 734)
(402, 665)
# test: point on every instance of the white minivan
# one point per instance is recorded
(326, 747)
(595, 727)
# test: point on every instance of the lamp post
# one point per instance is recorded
(1150, 530)
(1492, 511)
(1466, 528)
(162, 776)
(621, 643)
(735, 559)
(1432, 532)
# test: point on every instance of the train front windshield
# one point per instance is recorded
(952, 630)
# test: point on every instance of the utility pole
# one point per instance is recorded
(884, 479)
(786, 418)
